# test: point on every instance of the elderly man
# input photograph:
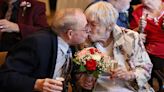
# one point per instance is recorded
(37, 62)
(19, 18)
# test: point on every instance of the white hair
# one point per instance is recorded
(103, 13)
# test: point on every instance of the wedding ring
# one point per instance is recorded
(4, 27)
(1, 27)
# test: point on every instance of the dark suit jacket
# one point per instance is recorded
(33, 20)
(33, 58)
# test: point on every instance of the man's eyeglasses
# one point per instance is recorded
(86, 29)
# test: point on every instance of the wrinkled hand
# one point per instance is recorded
(7, 26)
(48, 85)
(123, 74)
(143, 37)
(85, 81)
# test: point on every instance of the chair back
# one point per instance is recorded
(2, 57)
(160, 77)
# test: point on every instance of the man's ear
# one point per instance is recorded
(69, 33)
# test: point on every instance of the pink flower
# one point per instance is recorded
(83, 52)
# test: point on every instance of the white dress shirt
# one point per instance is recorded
(61, 57)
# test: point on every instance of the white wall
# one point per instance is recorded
(73, 4)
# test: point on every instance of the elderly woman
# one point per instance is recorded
(149, 19)
(124, 46)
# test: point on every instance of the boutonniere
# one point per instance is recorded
(25, 5)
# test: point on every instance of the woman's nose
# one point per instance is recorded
(88, 29)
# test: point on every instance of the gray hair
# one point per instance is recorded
(65, 19)
(103, 13)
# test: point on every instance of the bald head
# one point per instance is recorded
(71, 25)
(65, 19)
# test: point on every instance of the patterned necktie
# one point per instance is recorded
(66, 71)
(66, 68)
(9, 11)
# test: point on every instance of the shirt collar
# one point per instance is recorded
(118, 36)
(63, 45)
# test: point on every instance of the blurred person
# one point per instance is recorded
(133, 5)
(19, 18)
(122, 7)
(38, 60)
(148, 19)
(122, 45)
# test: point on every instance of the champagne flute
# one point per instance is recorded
(114, 65)
(60, 79)
(141, 26)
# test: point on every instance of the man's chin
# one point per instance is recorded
(92, 39)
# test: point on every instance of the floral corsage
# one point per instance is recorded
(25, 5)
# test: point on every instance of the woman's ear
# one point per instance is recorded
(69, 33)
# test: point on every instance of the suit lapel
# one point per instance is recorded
(53, 53)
